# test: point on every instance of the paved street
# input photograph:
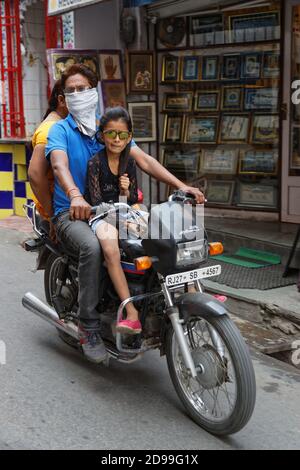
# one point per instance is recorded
(51, 398)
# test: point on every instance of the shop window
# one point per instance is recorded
(219, 101)
(295, 112)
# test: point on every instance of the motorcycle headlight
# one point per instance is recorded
(191, 253)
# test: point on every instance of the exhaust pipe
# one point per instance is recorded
(39, 308)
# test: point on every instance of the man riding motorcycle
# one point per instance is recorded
(71, 144)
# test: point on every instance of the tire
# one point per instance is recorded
(214, 376)
(49, 275)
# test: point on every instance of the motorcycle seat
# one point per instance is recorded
(132, 248)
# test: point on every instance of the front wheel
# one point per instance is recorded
(221, 398)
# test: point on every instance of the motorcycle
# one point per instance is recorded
(208, 360)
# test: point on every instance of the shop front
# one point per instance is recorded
(219, 90)
(291, 120)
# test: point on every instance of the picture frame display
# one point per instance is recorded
(251, 65)
(170, 68)
(206, 30)
(110, 65)
(259, 162)
(231, 67)
(220, 192)
(140, 72)
(60, 59)
(173, 129)
(201, 129)
(207, 100)
(271, 64)
(178, 101)
(221, 160)
(257, 195)
(144, 121)
(234, 128)
(113, 93)
(190, 68)
(265, 129)
(254, 27)
(210, 68)
(232, 98)
(181, 161)
(261, 98)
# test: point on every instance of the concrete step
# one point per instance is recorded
(233, 241)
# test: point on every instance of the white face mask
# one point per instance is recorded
(82, 105)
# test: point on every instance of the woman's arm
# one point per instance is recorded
(153, 168)
(38, 178)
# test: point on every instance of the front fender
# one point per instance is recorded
(198, 304)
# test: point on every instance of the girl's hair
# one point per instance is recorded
(117, 114)
(57, 90)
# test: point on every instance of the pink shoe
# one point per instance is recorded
(129, 327)
(220, 298)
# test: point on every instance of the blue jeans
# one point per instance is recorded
(77, 236)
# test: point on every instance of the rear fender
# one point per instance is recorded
(199, 305)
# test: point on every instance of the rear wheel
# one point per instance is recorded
(68, 292)
(221, 398)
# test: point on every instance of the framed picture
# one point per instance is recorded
(257, 195)
(251, 66)
(144, 121)
(113, 94)
(261, 98)
(190, 68)
(173, 129)
(220, 192)
(258, 162)
(140, 72)
(265, 129)
(170, 68)
(255, 27)
(221, 160)
(110, 65)
(179, 161)
(210, 68)
(232, 98)
(179, 102)
(234, 128)
(201, 129)
(231, 67)
(271, 65)
(207, 100)
(60, 59)
(171, 32)
(206, 30)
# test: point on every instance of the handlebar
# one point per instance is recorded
(111, 208)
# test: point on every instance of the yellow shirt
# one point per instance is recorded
(40, 137)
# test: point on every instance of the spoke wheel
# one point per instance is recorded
(221, 398)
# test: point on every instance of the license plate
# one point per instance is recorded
(190, 276)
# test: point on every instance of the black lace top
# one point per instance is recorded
(103, 186)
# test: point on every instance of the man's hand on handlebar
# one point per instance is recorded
(198, 195)
(79, 209)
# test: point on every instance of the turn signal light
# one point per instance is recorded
(215, 248)
(142, 263)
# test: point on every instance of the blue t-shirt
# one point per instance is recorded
(80, 148)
